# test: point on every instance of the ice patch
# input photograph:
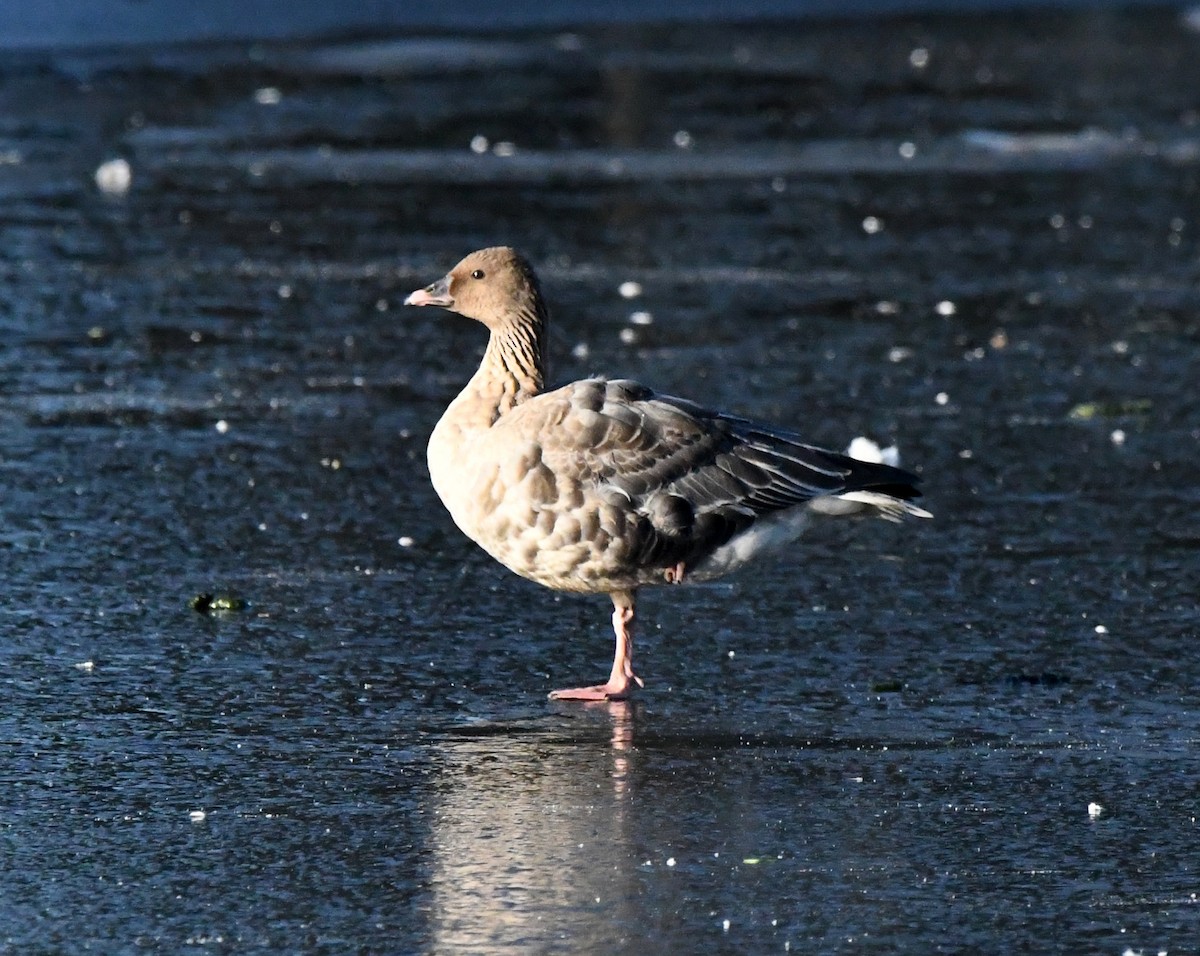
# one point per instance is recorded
(114, 177)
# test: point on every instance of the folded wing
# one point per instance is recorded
(694, 478)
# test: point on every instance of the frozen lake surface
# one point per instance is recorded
(973, 237)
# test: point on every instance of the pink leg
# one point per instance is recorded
(622, 678)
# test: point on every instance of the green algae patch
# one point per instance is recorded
(216, 604)
(1088, 411)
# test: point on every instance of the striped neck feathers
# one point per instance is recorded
(513, 365)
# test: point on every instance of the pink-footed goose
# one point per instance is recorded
(604, 486)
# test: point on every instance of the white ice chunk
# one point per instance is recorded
(864, 449)
(114, 177)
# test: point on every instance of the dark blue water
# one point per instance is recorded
(973, 238)
(98, 23)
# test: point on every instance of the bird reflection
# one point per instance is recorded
(530, 832)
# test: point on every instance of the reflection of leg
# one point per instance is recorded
(622, 678)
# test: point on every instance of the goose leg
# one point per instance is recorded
(622, 678)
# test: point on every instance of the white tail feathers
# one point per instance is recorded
(893, 509)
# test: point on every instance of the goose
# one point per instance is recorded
(604, 486)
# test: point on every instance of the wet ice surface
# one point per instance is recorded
(895, 739)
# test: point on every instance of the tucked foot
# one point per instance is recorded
(674, 574)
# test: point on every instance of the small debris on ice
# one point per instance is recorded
(268, 96)
(1094, 810)
(86, 666)
(197, 816)
(629, 290)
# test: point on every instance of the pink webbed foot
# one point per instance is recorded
(622, 679)
(613, 690)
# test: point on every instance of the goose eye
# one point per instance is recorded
(477, 274)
